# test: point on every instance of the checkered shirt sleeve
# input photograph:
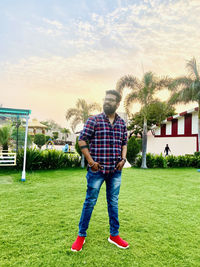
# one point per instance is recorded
(88, 130)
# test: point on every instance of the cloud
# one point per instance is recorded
(114, 44)
(150, 27)
(53, 28)
(142, 28)
(152, 35)
(55, 23)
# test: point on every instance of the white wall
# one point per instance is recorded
(157, 131)
(195, 123)
(178, 145)
(181, 125)
(169, 128)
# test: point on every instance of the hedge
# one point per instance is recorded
(46, 159)
(159, 161)
(133, 148)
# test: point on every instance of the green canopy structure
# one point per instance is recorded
(18, 113)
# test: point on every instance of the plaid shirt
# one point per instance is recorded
(105, 140)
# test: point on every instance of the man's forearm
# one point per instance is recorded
(85, 152)
(124, 152)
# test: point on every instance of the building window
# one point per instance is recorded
(188, 124)
(174, 127)
(163, 129)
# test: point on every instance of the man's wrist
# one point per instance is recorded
(91, 164)
(123, 159)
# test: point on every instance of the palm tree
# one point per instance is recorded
(142, 92)
(187, 88)
(80, 114)
(66, 132)
(5, 136)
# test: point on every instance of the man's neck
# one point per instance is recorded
(111, 116)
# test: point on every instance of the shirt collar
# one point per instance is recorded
(106, 117)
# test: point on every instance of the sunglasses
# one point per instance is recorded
(109, 100)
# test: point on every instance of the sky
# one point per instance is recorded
(56, 51)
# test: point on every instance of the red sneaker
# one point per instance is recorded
(118, 241)
(78, 244)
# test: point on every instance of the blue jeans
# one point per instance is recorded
(94, 183)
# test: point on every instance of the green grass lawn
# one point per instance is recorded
(159, 212)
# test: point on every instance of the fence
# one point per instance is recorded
(7, 158)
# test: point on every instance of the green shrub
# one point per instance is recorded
(139, 140)
(33, 159)
(160, 161)
(55, 135)
(133, 148)
(52, 159)
(198, 162)
(73, 160)
(47, 137)
(150, 160)
(171, 161)
(47, 159)
(183, 161)
(39, 140)
(78, 150)
(138, 161)
(195, 161)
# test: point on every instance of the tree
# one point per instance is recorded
(39, 140)
(187, 88)
(51, 124)
(66, 132)
(19, 136)
(142, 92)
(133, 148)
(157, 111)
(81, 112)
(47, 137)
(55, 135)
(5, 136)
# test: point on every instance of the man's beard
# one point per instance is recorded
(109, 109)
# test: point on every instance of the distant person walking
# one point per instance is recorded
(166, 151)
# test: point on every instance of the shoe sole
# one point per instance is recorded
(112, 242)
(74, 250)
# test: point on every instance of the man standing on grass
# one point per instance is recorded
(106, 156)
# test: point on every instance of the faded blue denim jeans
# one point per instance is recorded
(94, 183)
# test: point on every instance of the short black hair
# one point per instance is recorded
(116, 93)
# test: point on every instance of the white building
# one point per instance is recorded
(180, 132)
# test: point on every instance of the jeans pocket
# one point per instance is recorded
(93, 171)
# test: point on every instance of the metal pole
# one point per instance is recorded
(17, 125)
(25, 145)
(17, 139)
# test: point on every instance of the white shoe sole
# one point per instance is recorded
(77, 250)
(112, 242)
